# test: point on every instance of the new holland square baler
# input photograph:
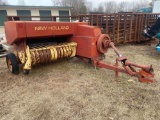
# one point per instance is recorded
(45, 41)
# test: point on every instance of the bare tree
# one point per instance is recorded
(57, 2)
(89, 6)
(133, 6)
(110, 7)
(21, 2)
(100, 7)
(143, 3)
(79, 6)
(94, 9)
(123, 6)
(3, 2)
(84, 7)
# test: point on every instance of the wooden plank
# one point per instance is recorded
(125, 25)
(130, 29)
(114, 28)
(135, 32)
(107, 24)
(118, 25)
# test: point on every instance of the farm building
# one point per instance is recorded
(14, 10)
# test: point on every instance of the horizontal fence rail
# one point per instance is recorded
(122, 27)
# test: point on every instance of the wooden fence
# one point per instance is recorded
(122, 27)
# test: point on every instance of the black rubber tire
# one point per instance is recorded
(1, 47)
(26, 72)
(13, 63)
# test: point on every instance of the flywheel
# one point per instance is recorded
(103, 43)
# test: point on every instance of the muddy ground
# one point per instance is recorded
(74, 90)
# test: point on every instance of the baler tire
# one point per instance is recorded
(1, 47)
(26, 72)
(12, 63)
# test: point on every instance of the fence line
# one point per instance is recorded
(122, 27)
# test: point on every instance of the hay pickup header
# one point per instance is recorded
(40, 42)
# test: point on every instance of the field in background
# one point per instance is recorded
(73, 90)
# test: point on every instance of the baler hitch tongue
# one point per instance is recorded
(146, 74)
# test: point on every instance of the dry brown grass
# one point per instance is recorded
(68, 90)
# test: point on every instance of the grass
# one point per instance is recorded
(73, 90)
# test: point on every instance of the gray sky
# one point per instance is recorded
(49, 3)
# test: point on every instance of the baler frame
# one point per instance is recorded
(86, 42)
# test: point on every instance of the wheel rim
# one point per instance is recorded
(9, 64)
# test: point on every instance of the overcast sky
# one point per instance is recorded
(49, 3)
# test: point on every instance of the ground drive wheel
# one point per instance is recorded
(12, 63)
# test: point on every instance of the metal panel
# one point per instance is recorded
(3, 14)
(45, 15)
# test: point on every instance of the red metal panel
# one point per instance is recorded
(19, 30)
(39, 29)
(14, 31)
(86, 38)
(87, 46)
(86, 30)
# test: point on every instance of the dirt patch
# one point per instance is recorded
(74, 90)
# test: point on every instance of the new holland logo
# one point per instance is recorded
(51, 28)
